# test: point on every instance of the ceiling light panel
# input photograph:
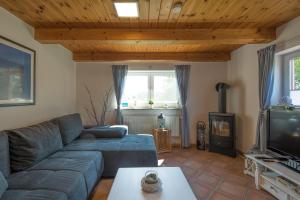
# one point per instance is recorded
(127, 9)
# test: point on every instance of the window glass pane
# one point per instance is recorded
(165, 88)
(295, 73)
(295, 96)
(295, 80)
(136, 89)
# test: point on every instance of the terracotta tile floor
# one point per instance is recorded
(212, 176)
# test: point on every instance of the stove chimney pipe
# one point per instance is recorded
(221, 89)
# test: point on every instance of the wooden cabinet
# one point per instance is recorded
(268, 175)
(162, 139)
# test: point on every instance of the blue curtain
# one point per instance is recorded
(119, 75)
(266, 83)
(183, 75)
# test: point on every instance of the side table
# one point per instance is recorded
(162, 139)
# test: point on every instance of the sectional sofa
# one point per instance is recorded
(60, 160)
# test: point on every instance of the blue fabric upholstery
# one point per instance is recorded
(31, 144)
(86, 167)
(70, 127)
(4, 154)
(95, 156)
(115, 132)
(33, 195)
(71, 183)
(3, 184)
(129, 151)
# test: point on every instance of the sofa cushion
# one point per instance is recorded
(31, 144)
(95, 156)
(33, 195)
(4, 154)
(115, 132)
(3, 184)
(70, 127)
(71, 183)
(129, 151)
(84, 166)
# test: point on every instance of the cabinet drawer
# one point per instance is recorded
(275, 191)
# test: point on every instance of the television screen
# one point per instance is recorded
(284, 132)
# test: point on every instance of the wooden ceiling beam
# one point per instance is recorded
(113, 56)
(224, 36)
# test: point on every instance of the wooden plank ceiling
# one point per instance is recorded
(204, 30)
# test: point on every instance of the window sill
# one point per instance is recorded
(150, 108)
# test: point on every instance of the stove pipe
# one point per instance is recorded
(221, 89)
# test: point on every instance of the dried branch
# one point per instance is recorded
(99, 118)
(105, 104)
(93, 111)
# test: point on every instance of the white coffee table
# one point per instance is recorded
(127, 185)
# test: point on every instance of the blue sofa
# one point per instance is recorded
(53, 159)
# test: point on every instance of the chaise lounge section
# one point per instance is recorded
(52, 161)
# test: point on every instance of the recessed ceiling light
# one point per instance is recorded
(127, 9)
(177, 7)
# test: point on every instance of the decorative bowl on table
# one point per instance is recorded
(151, 182)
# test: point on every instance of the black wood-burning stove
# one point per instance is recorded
(222, 126)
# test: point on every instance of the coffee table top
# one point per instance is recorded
(127, 185)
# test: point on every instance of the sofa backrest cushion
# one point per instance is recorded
(4, 154)
(3, 184)
(70, 127)
(32, 144)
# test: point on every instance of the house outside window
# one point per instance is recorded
(143, 87)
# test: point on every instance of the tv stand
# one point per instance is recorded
(279, 180)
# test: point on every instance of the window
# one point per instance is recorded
(143, 87)
(295, 80)
(292, 77)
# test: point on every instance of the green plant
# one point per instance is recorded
(150, 102)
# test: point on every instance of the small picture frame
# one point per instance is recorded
(17, 74)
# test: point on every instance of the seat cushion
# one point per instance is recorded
(31, 144)
(129, 151)
(4, 154)
(33, 195)
(95, 156)
(84, 166)
(70, 127)
(71, 183)
(3, 184)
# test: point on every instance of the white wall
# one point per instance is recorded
(55, 78)
(202, 94)
(243, 76)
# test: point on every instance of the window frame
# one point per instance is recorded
(286, 71)
(151, 74)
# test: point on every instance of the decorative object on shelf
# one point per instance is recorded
(17, 74)
(162, 138)
(285, 101)
(94, 115)
(151, 103)
(161, 121)
(151, 182)
(201, 126)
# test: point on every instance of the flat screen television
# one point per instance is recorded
(283, 135)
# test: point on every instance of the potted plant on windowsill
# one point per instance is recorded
(151, 104)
